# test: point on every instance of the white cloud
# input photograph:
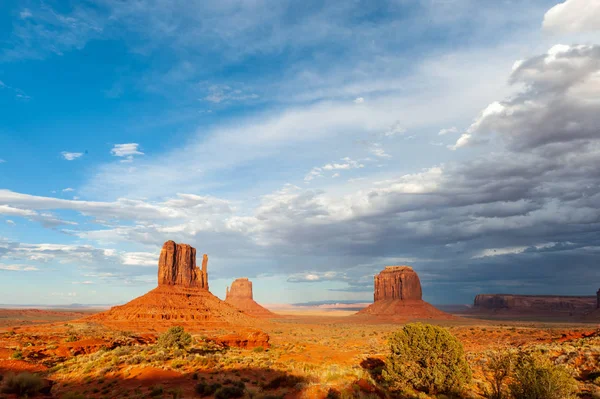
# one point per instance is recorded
(12, 223)
(17, 268)
(68, 189)
(559, 103)
(126, 150)
(2, 160)
(452, 129)
(71, 156)
(573, 16)
(87, 282)
(359, 100)
(140, 258)
(377, 150)
(346, 165)
(395, 130)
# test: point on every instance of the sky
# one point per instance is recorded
(305, 145)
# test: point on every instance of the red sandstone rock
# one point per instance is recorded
(181, 299)
(397, 282)
(240, 295)
(245, 340)
(398, 297)
(177, 266)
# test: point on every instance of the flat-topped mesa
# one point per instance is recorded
(241, 288)
(397, 282)
(177, 267)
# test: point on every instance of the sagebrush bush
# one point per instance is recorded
(23, 384)
(175, 338)
(426, 358)
(535, 377)
(499, 368)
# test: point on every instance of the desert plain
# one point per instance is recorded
(248, 351)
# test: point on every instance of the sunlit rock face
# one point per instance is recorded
(397, 282)
(177, 267)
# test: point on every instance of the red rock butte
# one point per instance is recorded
(241, 296)
(181, 298)
(398, 297)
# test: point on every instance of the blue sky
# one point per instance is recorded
(304, 145)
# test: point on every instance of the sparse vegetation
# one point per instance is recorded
(535, 377)
(23, 384)
(175, 338)
(426, 358)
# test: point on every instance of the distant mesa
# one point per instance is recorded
(398, 297)
(240, 295)
(182, 298)
(536, 305)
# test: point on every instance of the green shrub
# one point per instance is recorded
(258, 349)
(426, 358)
(156, 391)
(283, 381)
(535, 377)
(204, 389)
(229, 392)
(18, 355)
(499, 368)
(23, 384)
(175, 338)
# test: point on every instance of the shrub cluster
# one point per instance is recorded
(426, 358)
(175, 338)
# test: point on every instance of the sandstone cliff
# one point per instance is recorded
(182, 298)
(177, 267)
(241, 296)
(398, 297)
(397, 282)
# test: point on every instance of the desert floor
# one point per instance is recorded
(312, 354)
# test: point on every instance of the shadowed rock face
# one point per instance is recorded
(598, 299)
(240, 289)
(534, 303)
(397, 282)
(177, 266)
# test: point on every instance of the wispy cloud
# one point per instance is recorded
(127, 151)
(71, 156)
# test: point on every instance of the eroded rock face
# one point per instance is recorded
(397, 282)
(598, 299)
(177, 266)
(245, 340)
(240, 289)
(398, 297)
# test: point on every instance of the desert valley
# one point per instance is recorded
(283, 199)
(181, 341)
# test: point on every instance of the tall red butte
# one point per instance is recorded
(240, 295)
(398, 297)
(182, 298)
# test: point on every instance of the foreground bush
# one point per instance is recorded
(426, 358)
(499, 368)
(23, 384)
(535, 377)
(175, 338)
